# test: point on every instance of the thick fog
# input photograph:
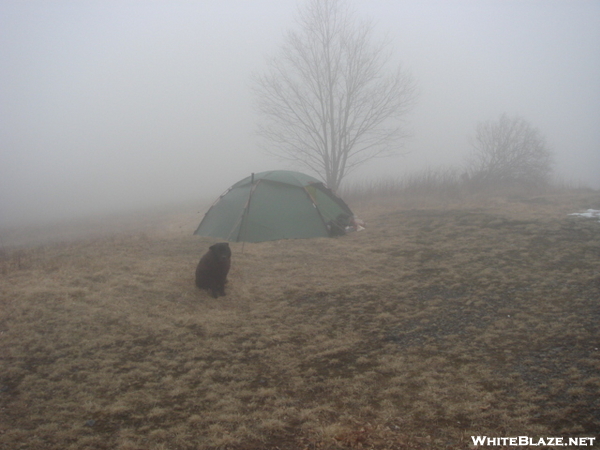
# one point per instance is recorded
(123, 105)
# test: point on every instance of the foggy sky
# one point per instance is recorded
(115, 105)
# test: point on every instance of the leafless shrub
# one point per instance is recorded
(508, 151)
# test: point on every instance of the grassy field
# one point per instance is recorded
(440, 321)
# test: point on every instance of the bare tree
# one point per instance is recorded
(328, 100)
(509, 150)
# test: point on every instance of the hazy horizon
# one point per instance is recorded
(107, 106)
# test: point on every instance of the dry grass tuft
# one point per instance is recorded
(443, 319)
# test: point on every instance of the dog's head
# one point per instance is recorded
(221, 251)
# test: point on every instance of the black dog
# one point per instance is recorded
(213, 268)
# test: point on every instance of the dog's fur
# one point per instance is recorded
(213, 268)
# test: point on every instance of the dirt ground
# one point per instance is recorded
(440, 321)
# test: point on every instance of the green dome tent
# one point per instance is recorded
(272, 205)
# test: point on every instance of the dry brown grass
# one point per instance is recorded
(440, 321)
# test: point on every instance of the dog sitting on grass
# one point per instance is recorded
(213, 268)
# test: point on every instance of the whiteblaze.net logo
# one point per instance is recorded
(534, 442)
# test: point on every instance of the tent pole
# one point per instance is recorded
(246, 209)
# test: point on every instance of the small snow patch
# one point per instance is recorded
(590, 213)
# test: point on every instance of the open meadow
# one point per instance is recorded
(440, 321)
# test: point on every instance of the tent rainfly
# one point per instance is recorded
(278, 204)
